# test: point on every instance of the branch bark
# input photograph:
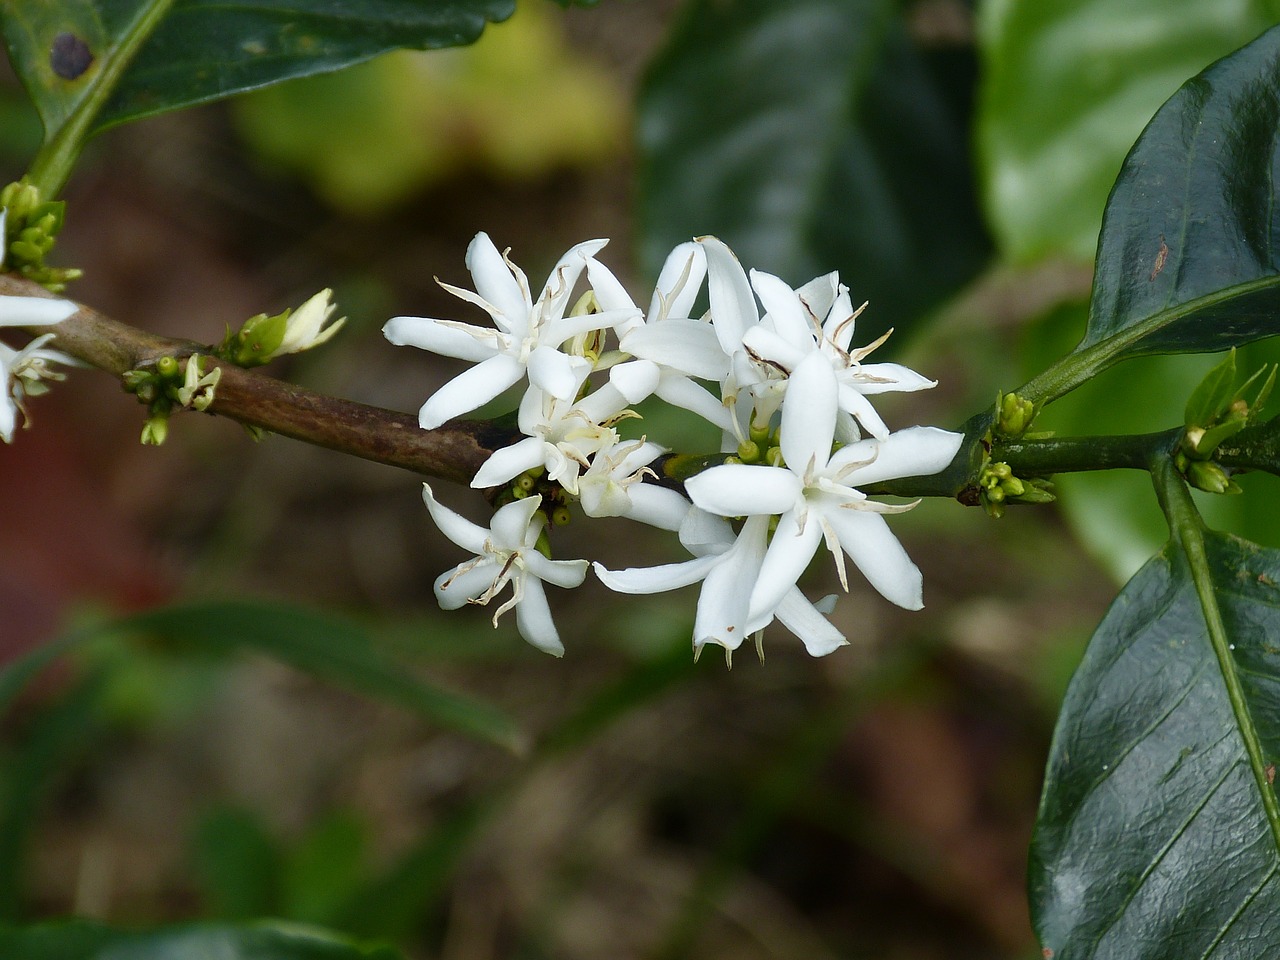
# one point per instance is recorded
(453, 452)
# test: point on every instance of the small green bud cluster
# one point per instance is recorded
(760, 447)
(167, 385)
(262, 338)
(997, 486)
(1216, 411)
(31, 227)
(555, 500)
(1013, 415)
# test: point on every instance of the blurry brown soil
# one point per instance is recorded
(876, 803)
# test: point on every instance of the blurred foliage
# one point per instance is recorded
(813, 136)
(518, 105)
(78, 940)
(1066, 89)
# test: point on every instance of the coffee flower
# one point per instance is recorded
(816, 498)
(524, 341)
(506, 553)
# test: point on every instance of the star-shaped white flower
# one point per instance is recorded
(21, 371)
(526, 336)
(728, 566)
(820, 318)
(506, 553)
(815, 495)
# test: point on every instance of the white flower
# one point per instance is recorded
(505, 553)
(524, 340)
(22, 370)
(728, 567)
(306, 328)
(816, 498)
(819, 318)
(613, 487)
(560, 435)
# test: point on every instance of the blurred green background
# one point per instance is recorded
(298, 733)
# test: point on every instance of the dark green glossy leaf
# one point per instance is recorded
(1066, 88)
(1188, 260)
(1154, 840)
(328, 647)
(205, 49)
(813, 135)
(85, 941)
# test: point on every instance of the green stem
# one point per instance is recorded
(1187, 529)
(1075, 368)
(1043, 458)
(53, 163)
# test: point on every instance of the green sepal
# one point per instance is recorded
(257, 340)
(1213, 394)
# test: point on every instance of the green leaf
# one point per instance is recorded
(328, 647)
(237, 864)
(1159, 830)
(809, 136)
(202, 50)
(1213, 393)
(1187, 261)
(1067, 86)
(78, 940)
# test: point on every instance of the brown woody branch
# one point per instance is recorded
(454, 451)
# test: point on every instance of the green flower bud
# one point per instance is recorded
(561, 516)
(773, 457)
(1208, 476)
(168, 366)
(525, 482)
(749, 451)
(155, 430)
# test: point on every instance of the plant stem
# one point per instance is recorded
(1187, 529)
(52, 164)
(1043, 458)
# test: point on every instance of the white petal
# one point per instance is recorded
(555, 295)
(8, 414)
(690, 346)
(733, 307)
(448, 338)
(740, 490)
(869, 542)
(840, 321)
(876, 378)
(803, 619)
(657, 506)
(684, 393)
(784, 309)
(470, 389)
(636, 379)
(33, 311)
(789, 554)
(853, 402)
(608, 289)
(679, 282)
(496, 284)
(914, 452)
(809, 413)
(818, 296)
(454, 588)
(660, 579)
(703, 532)
(557, 373)
(726, 592)
(511, 522)
(562, 573)
(509, 462)
(533, 619)
(764, 343)
(459, 529)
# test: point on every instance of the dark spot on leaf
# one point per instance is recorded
(1047, 953)
(1271, 773)
(70, 56)
(1161, 256)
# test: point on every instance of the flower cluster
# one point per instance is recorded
(775, 368)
